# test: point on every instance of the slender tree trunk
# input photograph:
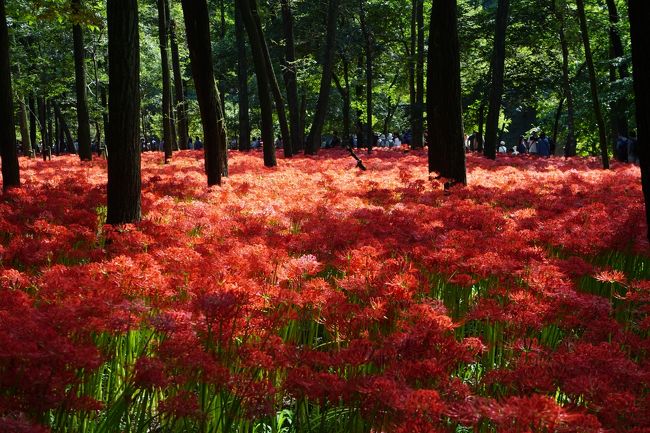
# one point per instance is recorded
(273, 82)
(42, 121)
(166, 81)
(69, 144)
(303, 121)
(104, 102)
(83, 120)
(8, 151)
(446, 147)
(618, 107)
(181, 104)
(344, 90)
(570, 144)
(556, 124)
(496, 90)
(412, 62)
(24, 128)
(242, 77)
(639, 15)
(418, 124)
(593, 81)
(290, 79)
(197, 27)
(33, 123)
(314, 136)
(261, 72)
(481, 124)
(367, 37)
(50, 130)
(124, 180)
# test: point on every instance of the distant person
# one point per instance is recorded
(197, 144)
(532, 145)
(190, 144)
(397, 142)
(632, 152)
(502, 147)
(622, 148)
(543, 146)
(521, 146)
(336, 141)
(278, 143)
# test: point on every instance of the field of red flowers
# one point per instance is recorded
(318, 298)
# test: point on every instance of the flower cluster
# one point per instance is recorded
(362, 301)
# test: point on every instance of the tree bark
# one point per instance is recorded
(618, 107)
(42, 123)
(24, 127)
(496, 89)
(412, 62)
(570, 144)
(290, 79)
(418, 124)
(179, 92)
(444, 109)
(69, 145)
(593, 81)
(50, 130)
(166, 81)
(316, 130)
(242, 77)
(556, 124)
(33, 123)
(83, 120)
(124, 180)
(104, 102)
(197, 27)
(8, 152)
(367, 37)
(639, 15)
(261, 73)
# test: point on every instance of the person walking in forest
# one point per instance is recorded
(197, 144)
(521, 145)
(543, 146)
(190, 144)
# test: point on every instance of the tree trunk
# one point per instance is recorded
(179, 91)
(367, 37)
(33, 123)
(50, 131)
(303, 121)
(344, 90)
(496, 89)
(570, 144)
(124, 180)
(412, 62)
(197, 27)
(314, 136)
(273, 82)
(593, 81)
(618, 107)
(444, 110)
(104, 102)
(42, 123)
(24, 128)
(418, 124)
(639, 15)
(166, 80)
(290, 79)
(8, 151)
(69, 144)
(83, 120)
(261, 73)
(242, 77)
(556, 124)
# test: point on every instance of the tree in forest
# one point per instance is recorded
(197, 29)
(639, 15)
(83, 120)
(291, 80)
(368, 48)
(179, 90)
(496, 89)
(417, 122)
(570, 144)
(8, 150)
(242, 77)
(124, 181)
(263, 82)
(593, 83)
(618, 106)
(316, 130)
(163, 38)
(444, 110)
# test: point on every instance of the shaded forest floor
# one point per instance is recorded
(316, 297)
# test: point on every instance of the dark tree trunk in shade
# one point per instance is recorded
(273, 82)
(413, 37)
(263, 85)
(290, 79)
(83, 120)
(69, 141)
(163, 26)
(496, 89)
(124, 180)
(481, 124)
(197, 28)
(368, 46)
(179, 92)
(8, 151)
(316, 130)
(344, 90)
(303, 120)
(556, 123)
(444, 110)
(50, 129)
(33, 122)
(42, 122)
(593, 82)
(570, 140)
(244, 141)
(418, 123)
(104, 102)
(24, 127)
(639, 15)
(617, 107)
